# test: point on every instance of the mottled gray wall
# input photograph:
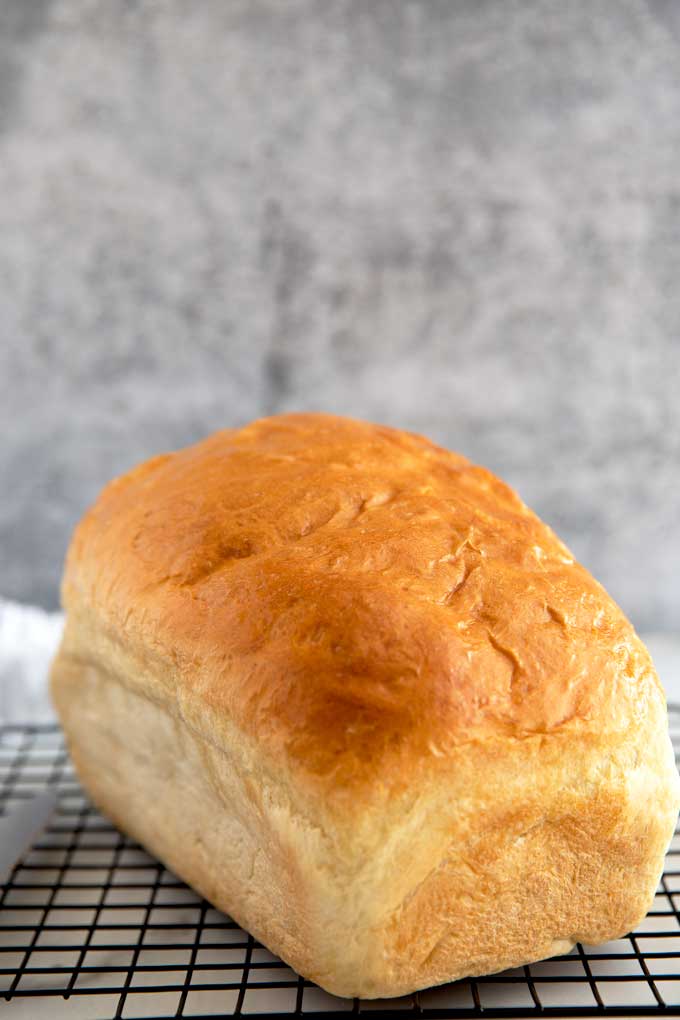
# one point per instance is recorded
(460, 217)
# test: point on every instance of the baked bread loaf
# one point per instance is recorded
(350, 688)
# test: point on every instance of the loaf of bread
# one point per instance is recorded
(352, 690)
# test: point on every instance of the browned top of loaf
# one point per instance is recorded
(352, 595)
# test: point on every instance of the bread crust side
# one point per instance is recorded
(511, 852)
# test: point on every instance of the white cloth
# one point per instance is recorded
(28, 639)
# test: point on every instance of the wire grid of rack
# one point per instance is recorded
(93, 928)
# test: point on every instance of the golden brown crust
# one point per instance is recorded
(356, 596)
(402, 674)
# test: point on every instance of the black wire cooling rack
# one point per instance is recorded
(93, 928)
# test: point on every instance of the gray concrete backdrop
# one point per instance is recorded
(460, 217)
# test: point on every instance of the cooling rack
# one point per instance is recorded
(93, 928)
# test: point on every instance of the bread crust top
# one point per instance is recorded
(356, 600)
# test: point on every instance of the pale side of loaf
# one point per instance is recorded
(350, 688)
